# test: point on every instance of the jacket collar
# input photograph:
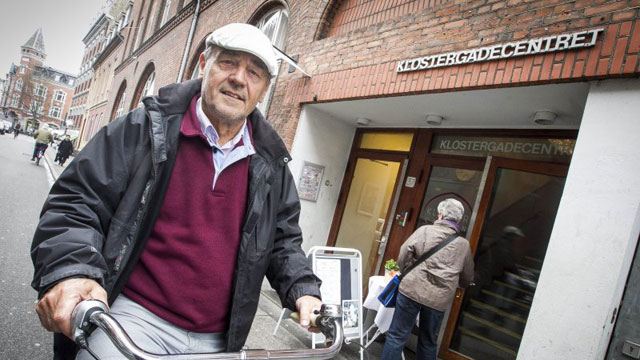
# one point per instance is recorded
(450, 224)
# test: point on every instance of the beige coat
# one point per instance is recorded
(434, 281)
(43, 136)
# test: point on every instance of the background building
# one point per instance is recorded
(525, 111)
(37, 93)
(101, 57)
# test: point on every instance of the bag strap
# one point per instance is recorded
(429, 253)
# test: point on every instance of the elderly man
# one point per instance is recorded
(428, 289)
(174, 213)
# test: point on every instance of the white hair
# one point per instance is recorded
(451, 209)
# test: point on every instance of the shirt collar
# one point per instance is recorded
(210, 133)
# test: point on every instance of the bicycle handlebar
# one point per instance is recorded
(95, 312)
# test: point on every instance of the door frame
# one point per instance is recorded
(537, 167)
(402, 159)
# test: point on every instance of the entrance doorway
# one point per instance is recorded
(370, 192)
(367, 209)
(515, 216)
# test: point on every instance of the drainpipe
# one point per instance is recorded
(183, 64)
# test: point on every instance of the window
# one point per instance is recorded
(19, 85)
(40, 90)
(274, 24)
(60, 96)
(148, 87)
(36, 106)
(165, 13)
(22, 70)
(139, 33)
(127, 16)
(120, 109)
(195, 63)
(120, 102)
(15, 100)
(55, 112)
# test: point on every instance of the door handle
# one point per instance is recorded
(382, 240)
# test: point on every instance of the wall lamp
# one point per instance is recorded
(434, 120)
(544, 117)
(363, 121)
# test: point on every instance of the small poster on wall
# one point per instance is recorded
(310, 178)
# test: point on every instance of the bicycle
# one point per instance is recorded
(89, 313)
(40, 152)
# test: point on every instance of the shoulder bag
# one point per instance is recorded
(389, 294)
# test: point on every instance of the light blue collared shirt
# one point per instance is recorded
(226, 154)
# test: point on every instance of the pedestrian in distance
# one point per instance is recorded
(16, 129)
(65, 149)
(428, 289)
(174, 213)
(43, 138)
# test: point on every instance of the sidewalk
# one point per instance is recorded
(289, 335)
(54, 168)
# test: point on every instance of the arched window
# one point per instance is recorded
(119, 104)
(149, 86)
(146, 85)
(195, 62)
(274, 22)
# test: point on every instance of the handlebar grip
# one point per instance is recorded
(81, 316)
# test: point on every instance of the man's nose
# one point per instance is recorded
(239, 76)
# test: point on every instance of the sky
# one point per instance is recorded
(64, 23)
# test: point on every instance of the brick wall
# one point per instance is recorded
(351, 47)
(358, 56)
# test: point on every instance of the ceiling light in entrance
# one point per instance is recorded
(434, 120)
(363, 121)
(544, 117)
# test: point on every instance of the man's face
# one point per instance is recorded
(233, 83)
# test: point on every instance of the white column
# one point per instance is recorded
(595, 232)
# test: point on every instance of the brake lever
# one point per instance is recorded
(81, 318)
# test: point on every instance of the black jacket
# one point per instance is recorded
(102, 208)
(65, 148)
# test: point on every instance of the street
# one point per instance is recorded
(23, 189)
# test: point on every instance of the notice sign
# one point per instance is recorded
(543, 45)
(309, 182)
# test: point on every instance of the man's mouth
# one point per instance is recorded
(233, 95)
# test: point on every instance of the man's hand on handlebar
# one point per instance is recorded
(56, 306)
(306, 305)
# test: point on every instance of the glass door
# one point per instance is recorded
(363, 220)
(451, 177)
(514, 222)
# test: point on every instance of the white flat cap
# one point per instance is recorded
(247, 38)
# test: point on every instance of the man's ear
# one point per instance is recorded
(202, 62)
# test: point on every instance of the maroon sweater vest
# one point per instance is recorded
(185, 272)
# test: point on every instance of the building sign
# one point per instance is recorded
(543, 45)
(544, 149)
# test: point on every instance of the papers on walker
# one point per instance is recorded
(328, 270)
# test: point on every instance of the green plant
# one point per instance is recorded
(391, 265)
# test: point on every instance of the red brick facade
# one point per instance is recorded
(352, 48)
